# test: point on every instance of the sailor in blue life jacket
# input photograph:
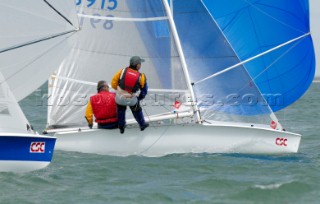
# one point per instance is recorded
(127, 82)
(103, 107)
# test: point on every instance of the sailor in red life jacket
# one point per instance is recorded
(127, 82)
(103, 107)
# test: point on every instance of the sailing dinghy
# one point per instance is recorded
(21, 149)
(33, 42)
(217, 71)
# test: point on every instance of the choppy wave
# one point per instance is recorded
(181, 178)
(270, 186)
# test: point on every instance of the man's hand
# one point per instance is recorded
(143, 92)
(141, 97)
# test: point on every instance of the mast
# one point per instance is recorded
(182, 57)
(171, 6)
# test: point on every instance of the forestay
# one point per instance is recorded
(112, 32)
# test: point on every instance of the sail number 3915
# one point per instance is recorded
(111, 5)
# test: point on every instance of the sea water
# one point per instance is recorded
(182, 178)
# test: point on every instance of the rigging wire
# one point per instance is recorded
(35, 41)
(146, 149)
(60, 14)
(160, 136)
(30, 43)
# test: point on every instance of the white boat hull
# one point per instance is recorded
(164, 140)
(22, 166)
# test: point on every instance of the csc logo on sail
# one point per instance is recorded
(281, 142)
(37, 147)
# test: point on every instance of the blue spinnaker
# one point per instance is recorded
(255, 26)
(207, 52)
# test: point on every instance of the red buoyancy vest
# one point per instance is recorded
(104, 107)
(130, 80)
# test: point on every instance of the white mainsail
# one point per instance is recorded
(34, 38)
(107, 40)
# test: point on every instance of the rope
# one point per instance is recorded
(155, 141)
(148, 116)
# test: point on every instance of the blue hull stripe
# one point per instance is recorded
(26, 148)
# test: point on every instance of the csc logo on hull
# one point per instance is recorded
(281, 142)
(37, 147)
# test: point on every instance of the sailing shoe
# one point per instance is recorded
(121, 130)
(144, 126)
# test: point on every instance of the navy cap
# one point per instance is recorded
(136, 60)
